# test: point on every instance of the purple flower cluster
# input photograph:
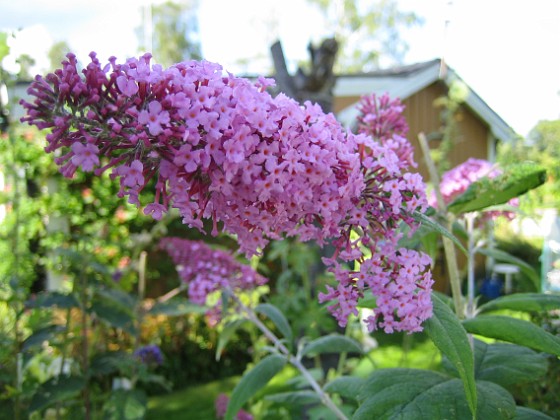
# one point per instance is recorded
(382, 118)
(150, 355)
(220, 147)
(207, 270)
(456, 181)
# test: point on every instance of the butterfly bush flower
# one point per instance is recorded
(150, 355)
(456, 181)
(85, 156)
(221, 148)
(206, 270)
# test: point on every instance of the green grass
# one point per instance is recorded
(197, 402)
(193, 403)
(423, 355)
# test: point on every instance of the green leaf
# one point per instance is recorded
(505, 364)
(345, 386)
(125, 405)
(524, 413)
(507, 208)
(449, 336)
(448, 300)
(253, 381)
(40, 336)
(515, 331)
(436, 227)
(295, 398)
(113, 313)
(516, 180)
(151, 378)
(118, 298)
(430, 244)
(49, 299)
(55, 390)
(227, 333)
(100, 268)
(301, 382)
(177, 306)
(333, 343)
(109, 362)
(416, 394)
(525, 268)
(322, 412)
(524, 302)
(277, 317)
(75, 259)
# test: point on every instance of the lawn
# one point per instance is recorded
(197, 402)
(193, 403)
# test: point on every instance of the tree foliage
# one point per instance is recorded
(543, 147)
(57, 54)
(26, 62)
(367, 32)
(174, 32)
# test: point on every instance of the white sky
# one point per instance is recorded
(508, 51)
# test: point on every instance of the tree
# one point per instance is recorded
(57, 54)
(367, 32)
(26, 62)
(174, 32)
(542, 146)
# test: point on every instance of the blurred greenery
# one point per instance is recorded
(542, 146)
(85, 334)
(194, 402)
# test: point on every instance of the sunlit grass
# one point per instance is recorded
(197, 402)
(411, 353)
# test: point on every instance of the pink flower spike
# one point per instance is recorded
(154, 117)
(223, 150)
(85, 156)
(206, 270)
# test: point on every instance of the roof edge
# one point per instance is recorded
(412, 80)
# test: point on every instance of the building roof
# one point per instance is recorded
(402, 82)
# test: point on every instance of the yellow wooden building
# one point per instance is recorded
(479, 128)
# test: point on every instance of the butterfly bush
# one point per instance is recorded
(456, 181)
(206, 270)
(218, 147)
(150, 355)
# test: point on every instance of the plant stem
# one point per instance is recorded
(448, 246)
(141, 293)
(470, 217)
(142, 275)
(139, 308)
(16, 281)
(64, 348)
(325, 399)
(19, 360)
(85, 343)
